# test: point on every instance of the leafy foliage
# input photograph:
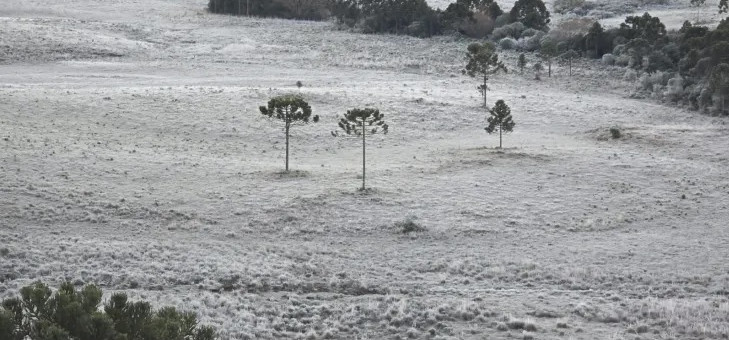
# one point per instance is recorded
(500, 120)
(465, 16)
(521, 62)
(413, 17)
(719, 82)
(71, 314)
(548, 52)
(482, 61)
(360, 123)
(289, 9)
(292, 110)
(531, 13)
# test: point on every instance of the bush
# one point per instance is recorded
(512, 30)
(481, 26)
(409, 226)
(532, 43)
(507, 43)
(72, 314)
(608, 59)
(615, 132)
(502, 20)
(288, 9)
(530, 32)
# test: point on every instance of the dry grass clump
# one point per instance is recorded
(696, 318)
(409, 226)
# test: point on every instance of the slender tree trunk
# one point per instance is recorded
(239, 7)
(499, 136)
(549, 67)
(485, 78)
(248, 8)
(287, 146)
(363, 154)
(570, 62)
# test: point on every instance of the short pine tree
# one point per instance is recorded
(538, 68)
(522, 62)
(360, 123)
(482, 62)
(292, 110)
(500, 120)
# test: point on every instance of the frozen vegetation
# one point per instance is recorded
(133, 155)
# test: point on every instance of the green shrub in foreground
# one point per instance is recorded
(69, 314)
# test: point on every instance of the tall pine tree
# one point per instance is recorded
(360, 123)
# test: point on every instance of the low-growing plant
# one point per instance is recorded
(409, 226)
(615, 132)
(40, 314)
(507, 44)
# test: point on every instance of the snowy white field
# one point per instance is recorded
(132, 156)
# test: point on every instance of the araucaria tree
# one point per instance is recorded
(500, 120)
(292, 110)
(362, 122)
(482, 62)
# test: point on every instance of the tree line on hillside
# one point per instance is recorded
(688, 66)
(474, 18)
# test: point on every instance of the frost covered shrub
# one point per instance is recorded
(512, 30)
(619, 49)
(654, 81)
(532, 43)
(529, 32)
(630, 75)
(608, 59)
(502, 20)
(623, 60)
(615, 132)
(481, 26)
(40, 314)
(674, 89)
(507, 43)
(408, 226)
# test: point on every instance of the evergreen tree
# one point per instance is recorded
(292, 110)
(482, 62)
(360, 123)
(547, 52)
(719, 82)
(538, 68)
(72, 314)
(531, 13)
(723, 6)
(500, 120)
(594, 38)
(521, 62)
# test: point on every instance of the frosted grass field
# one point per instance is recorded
(132, 156)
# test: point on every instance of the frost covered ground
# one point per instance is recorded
(132, 156)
